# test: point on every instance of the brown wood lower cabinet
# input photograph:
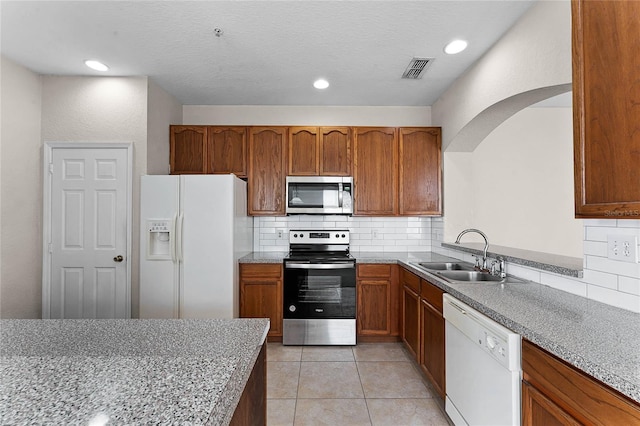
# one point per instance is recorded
(423, 327)
(261, 294)
(411, 312)
(556, 393)
(432, 335)
(252, 407)
(378, 302)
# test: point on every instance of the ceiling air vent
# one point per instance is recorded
(416, 68)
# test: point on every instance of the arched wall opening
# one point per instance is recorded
(508, 163)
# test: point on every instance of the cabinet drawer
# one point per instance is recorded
(260, 270)
(410, 280)
(432, 294)
(374, 271)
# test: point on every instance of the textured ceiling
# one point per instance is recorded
(270, 51)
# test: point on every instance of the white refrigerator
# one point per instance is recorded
(193, 230)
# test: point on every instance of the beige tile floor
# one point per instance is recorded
(368, 384)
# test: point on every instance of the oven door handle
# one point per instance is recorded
(293, 265)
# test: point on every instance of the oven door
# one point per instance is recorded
(319, 290)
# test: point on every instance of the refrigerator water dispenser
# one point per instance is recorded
(159, 239)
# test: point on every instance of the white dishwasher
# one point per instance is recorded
(483, 368)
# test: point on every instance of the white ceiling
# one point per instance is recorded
(270, 51)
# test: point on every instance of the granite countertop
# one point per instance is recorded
(599, 339)
(264, 257)
(125, 371)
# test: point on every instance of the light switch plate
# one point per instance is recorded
(623, 248)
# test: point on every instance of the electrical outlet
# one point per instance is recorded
(623, 248)
(280, 233)
(376, 234)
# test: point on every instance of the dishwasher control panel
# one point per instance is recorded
(497, 347)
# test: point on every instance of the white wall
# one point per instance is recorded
(21, 192)
(163, 110)
(306, 115)
(531, 62)
(517, 186)
(101, 109)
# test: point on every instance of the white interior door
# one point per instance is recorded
(89, 243)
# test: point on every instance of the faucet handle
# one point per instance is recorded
(502, 267)
(493, 267)
(477, 261)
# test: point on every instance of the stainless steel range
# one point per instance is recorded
(319, 289)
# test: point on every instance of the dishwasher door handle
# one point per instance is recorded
(462, 311)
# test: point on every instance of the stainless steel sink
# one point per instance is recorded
(446, 266)
(456, 272)
(469, 276)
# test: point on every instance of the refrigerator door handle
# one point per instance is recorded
(172, 238)
(179, 231)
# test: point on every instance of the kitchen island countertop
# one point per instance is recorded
(125, 371)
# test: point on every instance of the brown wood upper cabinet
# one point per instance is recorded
(397, 171)
(606, 95)
(208, 149)
(187, 149)
(420, 171)
(267, 170)
(226, 150)
(319, 151)
(375, 164)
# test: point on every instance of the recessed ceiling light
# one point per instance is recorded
(456, 46)
(96, 65)
(321, 83)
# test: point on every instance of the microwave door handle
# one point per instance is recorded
(339, 195)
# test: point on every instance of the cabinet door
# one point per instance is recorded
(378, 295)
(411, 321)
(261, 294)
(432, 356)
(267, 160)
(420, 171)
(187, 149)
(262, 299)
(375, 171)
(374, 303)
(537, 409)
(606, 95)
(227, 150)
(335, 151)
(304, 147)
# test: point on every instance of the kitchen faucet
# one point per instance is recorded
(486, 244)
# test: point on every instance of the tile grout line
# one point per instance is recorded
(364, 395)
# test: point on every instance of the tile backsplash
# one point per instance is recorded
(608, 281)
(604, 280)
(399, 234)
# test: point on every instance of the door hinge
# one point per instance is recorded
(50, 248)
(50, 168)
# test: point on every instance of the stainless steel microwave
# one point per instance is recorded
(319, 195)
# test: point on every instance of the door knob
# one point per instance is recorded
(118, 258)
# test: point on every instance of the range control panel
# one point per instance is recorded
(324, 236)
